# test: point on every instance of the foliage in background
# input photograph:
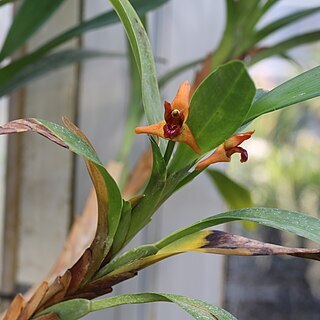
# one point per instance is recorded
(224, 100)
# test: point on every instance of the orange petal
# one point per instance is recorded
(219, 155)
(155, 129)
(187, 137)
(181, 100)
(237, 139)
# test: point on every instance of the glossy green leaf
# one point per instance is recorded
(301, 88)
(285, 45)
(234, 194)
(30, 17)
(282, 22)
(142, 51)
(105, 19)
(48, 64)
(142, 213)
(217, 109)
(124, 262)
(123, 227)
(76, 308)
(290, 221)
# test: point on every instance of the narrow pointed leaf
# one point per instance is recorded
(285, 45)
(301, 88)
(123, 228)
(74, 309)
(48, 64)
(105, 19)
(30, 17)
(217, 109)
(282, 22)
(128, 261)
(268, 5)
(3, 2)
(142, 51)
(289, 221)
(207, 241)
(219, 242)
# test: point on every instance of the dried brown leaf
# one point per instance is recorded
(32, 305)
(79, 271)
(29, 124)
(57, 291)
(220, 242)
(15, 308)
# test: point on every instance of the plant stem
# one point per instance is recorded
(169, 150)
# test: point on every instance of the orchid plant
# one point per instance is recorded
(204, 124)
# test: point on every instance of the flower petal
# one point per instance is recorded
(224, 152)
(155, 129)
(219, 155)
(187, 137)
(181, 100)
(237, 139)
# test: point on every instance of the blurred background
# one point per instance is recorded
(43, 187)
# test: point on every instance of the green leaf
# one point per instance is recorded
(123, 227)
(105, 19)
(48, 64)
(219, 242)
(282, 22)
(30, 17)
(76, 308)
(144, 58)
(3, 2)
(301, 88)
(285, 45)
(235, 195)
(217, 109)
(142, 213)
(289, 221)
(125, 261)
(268, 4)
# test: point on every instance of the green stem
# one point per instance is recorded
(168, 152)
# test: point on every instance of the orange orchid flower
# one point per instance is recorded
(174, 126)
(224, 152)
